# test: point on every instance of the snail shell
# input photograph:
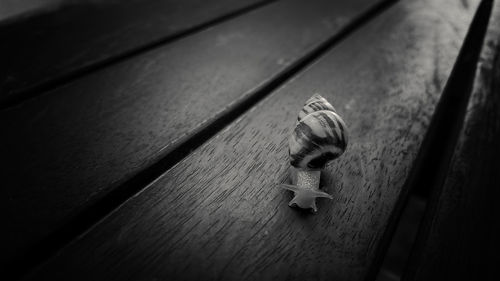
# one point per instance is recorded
(319, 136)
(315, 103)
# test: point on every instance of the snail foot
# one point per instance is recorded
(305, 198)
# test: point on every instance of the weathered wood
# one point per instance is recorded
(459, 236)
(70, 38)
(64, 151)
(219, 214)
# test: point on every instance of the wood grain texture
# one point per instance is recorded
(64, 151)
(219, 215)
(75, 35)
(459, 240)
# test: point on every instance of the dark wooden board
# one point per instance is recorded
(65, 150)
(459, 236)
(219, 215)
(76, 35)
(14, 10)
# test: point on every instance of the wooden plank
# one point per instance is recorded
(64, 151)
(219, 214)
(70, 38)
(459, 236)
(13, 10)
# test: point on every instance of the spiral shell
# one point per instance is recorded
(315, 103)
(319, 135)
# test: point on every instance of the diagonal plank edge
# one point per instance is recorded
(55, 47)
(458, 239)
(68, 149)
(218, 213)
(437, 147)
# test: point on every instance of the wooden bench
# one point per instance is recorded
(152, 146)
(458, 239)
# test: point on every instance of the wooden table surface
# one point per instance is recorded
(145, 140)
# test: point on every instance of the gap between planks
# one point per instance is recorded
(18, 97)
(434, 157)
(449, 124)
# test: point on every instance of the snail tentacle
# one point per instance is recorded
(305, 198)
(312, 193)
(290, 187)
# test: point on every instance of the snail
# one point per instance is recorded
(319, 137)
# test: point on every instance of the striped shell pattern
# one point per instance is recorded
(319, 136)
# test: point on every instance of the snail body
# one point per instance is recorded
(319, 137)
